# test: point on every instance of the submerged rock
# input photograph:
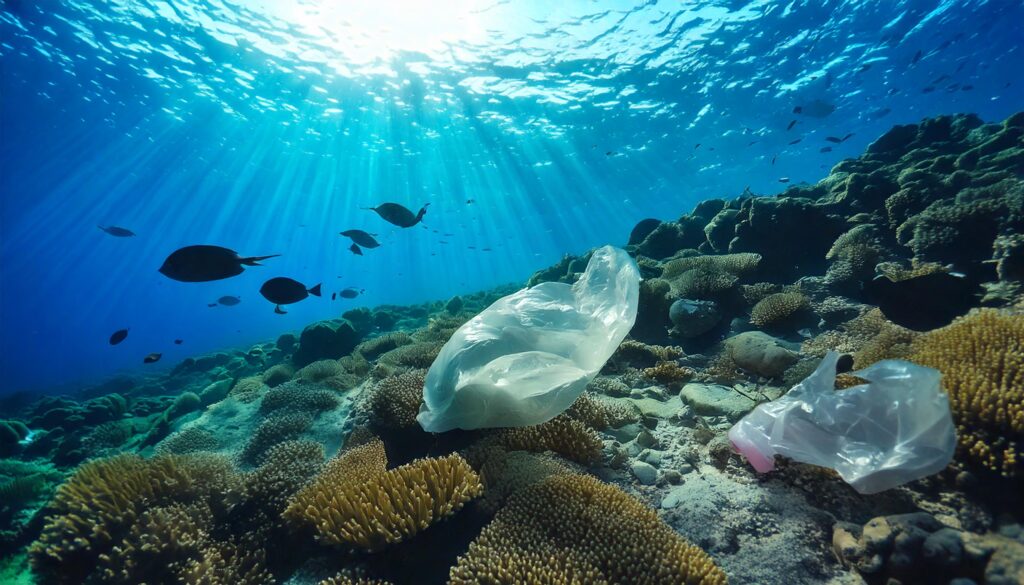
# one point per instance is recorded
(716, 400)
(761, 354)
(692, 318)
(325, 340)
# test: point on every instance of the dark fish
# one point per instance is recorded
(211, 304)
(285, 291)
(351, 293)
(752, 142)
(399, 215)
(364, 239)
(928, 89)
(791, 124)
(609, 153)
(940, 79)
(784, 180)
(864, 68)
(696, 146)
(815, 109)
(334, 296)
(447, 235)
(797, 141)
(967, 87)
(773, 159)
(442, 242)
(178, 341)
(229, 301)
(118, 232)
(847, 137)
(917, 57)
(470, 201)
(279, 310)
(355, 250)
(152, 358)
(206, 263)
(825, 149)
(833, 139)
(642, 229)
(923, 303)
(485, 249)
(118, 336)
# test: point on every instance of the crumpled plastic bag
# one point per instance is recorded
(527, 357)
(895, 429)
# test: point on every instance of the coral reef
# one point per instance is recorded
(777, 310)
(395, 401)
(575, 529)
(981, 358)
(563, 435)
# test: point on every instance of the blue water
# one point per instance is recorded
(266, 126)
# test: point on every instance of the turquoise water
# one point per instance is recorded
(533, 129)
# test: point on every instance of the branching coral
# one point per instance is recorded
(702, 284)
(274, 430)
(373, 348)
(96, 509)
(299, 396)
(981, 358)
(507, 472)
(876, 339)
(738, 265)
(349, 579)
(575, 529)
(278, 375)
(601, 414)
(248, 389)
(189, 440)
(418, 355)
(395, 401)
(355, 503)
(778, 309)
(564, 435)
(632, 353)
(669, 373)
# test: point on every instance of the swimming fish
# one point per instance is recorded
(364, 239)
(351, 293)
(151, 358)
(797, 141)
(791, 124)
(229, 301)
(118, 232)
(825, 149)
(815, 109)
(917, 57)
(399, 215)
(470, 201)
(205, 263)
(211, 304)
(355, 250)
(118, 336)
(833, 139)
(178, 341)
(285, 291)
(334, 296)
(923, 303)
(279, 310)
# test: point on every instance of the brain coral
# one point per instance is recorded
(575, 529)
(981, 357)
(354, 502)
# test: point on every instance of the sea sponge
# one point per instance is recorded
(395, 401)
(278, 375)
(96, 508)
(981, 357)
(564, 435)
(274, 430)
(778, 309)
(354, 502)
(299, 396)
(575, 529)
(189, 440)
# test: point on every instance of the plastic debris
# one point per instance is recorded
(527, 357)
(892, 430)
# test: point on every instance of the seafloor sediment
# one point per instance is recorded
(300, 460)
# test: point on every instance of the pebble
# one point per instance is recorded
(645, 472)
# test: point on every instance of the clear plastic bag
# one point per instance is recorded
(895, 429)
(528, 356)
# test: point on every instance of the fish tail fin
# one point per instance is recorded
(255, 260)
(315, 291)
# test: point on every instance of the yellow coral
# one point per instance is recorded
(575, 529)
(777, 309)
(600, 414)
(739, 264)
(354, 502)
(981, 358)
(669, 374)
(563, 435)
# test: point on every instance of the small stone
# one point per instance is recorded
(672, 499)
(716, 400)
(650, 456)
(673, 477)
(761, 353)
(685, 468)
(645, 472)
(944, 548)
(720, 449)
(692, 318)
(645, 439)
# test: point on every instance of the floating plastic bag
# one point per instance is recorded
(895, 429)
(527, 357)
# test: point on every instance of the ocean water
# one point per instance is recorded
(265, 127)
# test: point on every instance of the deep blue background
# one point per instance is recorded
(265, 126)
